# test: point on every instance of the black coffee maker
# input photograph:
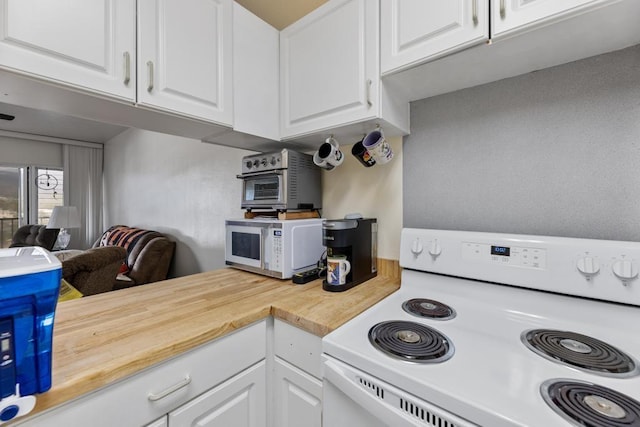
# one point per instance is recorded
(357, 239)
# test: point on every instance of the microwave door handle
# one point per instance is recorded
(263, 238)
(261, 173)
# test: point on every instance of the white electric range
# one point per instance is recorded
(510, 330)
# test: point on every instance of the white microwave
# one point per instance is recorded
(276, 248)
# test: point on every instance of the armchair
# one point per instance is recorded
(35, 235)
(94, 271)
(149, 253)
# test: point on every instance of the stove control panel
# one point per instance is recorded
(600, 269)
(514, 256)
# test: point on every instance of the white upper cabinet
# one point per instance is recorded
(87, 44)
(525, 35)
(414, 31)
(329, 72)
(509, 15)
(185, 57)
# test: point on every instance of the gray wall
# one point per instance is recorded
(554, 152)
(178, 186)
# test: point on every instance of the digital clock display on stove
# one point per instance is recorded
(500, 250)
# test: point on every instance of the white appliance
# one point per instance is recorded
(276, 248)
(509, 330)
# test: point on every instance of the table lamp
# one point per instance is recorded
(64, 217)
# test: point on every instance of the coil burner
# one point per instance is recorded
(410, 341)
(428, 308)
(590, 405)
(580, 351)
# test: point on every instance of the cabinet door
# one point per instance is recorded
(88, 44)
(160, 422)
(329, 67)
(238, 402)
(185, 58)
(415, 31)
(508, 15)
(298, 397)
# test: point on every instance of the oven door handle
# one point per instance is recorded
(335, 374)
(261, 173)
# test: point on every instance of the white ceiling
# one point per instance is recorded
(280, 13)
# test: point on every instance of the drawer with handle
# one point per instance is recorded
(146, 396)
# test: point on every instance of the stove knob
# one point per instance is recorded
(416, 247)
(624, 269)
(256, 163)
(273, 161)
(264, 161)
(588, 266)
(249, 164)
(435, 250)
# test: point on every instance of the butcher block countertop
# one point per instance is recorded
(107, 337)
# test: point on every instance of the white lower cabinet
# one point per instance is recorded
(238, 402)
(297, 384)
(226, 383)
(200, 384)
(298, 397)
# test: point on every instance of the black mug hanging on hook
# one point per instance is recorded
(362, 154)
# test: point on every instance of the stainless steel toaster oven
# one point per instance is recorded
(281, 180)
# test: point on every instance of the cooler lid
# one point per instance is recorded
(26, 260)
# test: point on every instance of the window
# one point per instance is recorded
(27, 196)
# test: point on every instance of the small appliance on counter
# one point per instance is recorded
(272, 247)
(352, 252)
(281, 180)
(29, 285)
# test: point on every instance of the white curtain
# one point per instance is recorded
(83, 189)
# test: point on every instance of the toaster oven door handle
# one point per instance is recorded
(261, 173)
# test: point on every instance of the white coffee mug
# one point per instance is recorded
(378, 146)
(328, 155)
(337, 269)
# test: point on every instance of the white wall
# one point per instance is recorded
(178, 186)
(375, 192)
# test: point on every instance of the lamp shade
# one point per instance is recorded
(64, 217)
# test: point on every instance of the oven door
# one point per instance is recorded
(354, 398)
(264, 189)
(245, 246)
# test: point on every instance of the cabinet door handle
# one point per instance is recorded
(503, 9)
(153, 397)
(368, 89)
(149, 76)
(474, 9)
(127, 67)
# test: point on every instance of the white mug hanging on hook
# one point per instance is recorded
(328, 155)
(376, 144)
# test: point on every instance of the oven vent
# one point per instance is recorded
(374, 389)
(292, 180)
(424, 415)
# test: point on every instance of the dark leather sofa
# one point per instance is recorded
(35, 235)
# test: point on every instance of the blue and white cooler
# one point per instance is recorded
(29, 286)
